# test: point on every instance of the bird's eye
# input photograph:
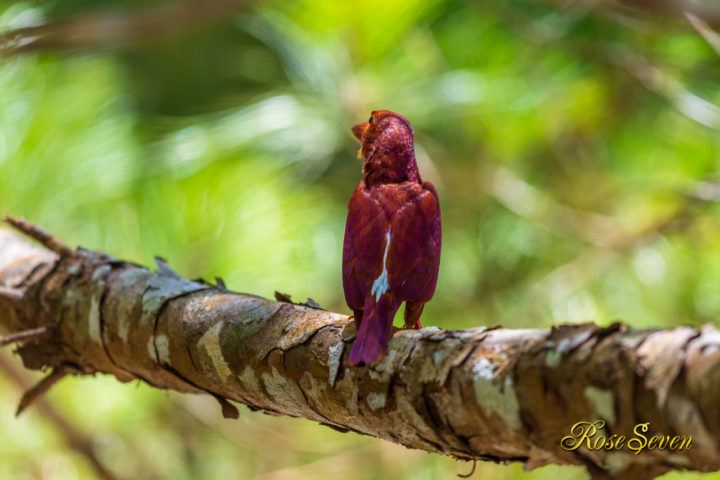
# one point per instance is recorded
(370, 121)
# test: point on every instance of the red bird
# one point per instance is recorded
(391, 252)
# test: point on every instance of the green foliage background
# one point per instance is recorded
(227, 150)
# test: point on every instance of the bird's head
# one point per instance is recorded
(387, 148)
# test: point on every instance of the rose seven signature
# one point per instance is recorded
(592, 436)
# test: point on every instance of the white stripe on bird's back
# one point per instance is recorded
(381, 285)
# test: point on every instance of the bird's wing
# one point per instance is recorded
(414, 254)
(364, 246)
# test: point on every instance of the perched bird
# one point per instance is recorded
(391, 252)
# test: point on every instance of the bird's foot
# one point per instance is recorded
(416, 326)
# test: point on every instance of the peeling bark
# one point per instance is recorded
(490, 394)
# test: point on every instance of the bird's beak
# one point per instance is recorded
(359, 129)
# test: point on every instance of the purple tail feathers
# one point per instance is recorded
(375, 330)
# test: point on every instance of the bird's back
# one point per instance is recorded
(393, 227)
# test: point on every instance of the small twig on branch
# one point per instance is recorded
(24, 335)
(468, 475)
(228, 409)
(49, 241)
(287, 298)
(42, 387)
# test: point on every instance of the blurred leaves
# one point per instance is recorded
(564, 141)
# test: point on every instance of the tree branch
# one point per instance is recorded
(33, 231)
(24, 335)
(41, 388)
(490, 394)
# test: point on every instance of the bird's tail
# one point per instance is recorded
(375, 330)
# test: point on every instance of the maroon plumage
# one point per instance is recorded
(392, 243)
